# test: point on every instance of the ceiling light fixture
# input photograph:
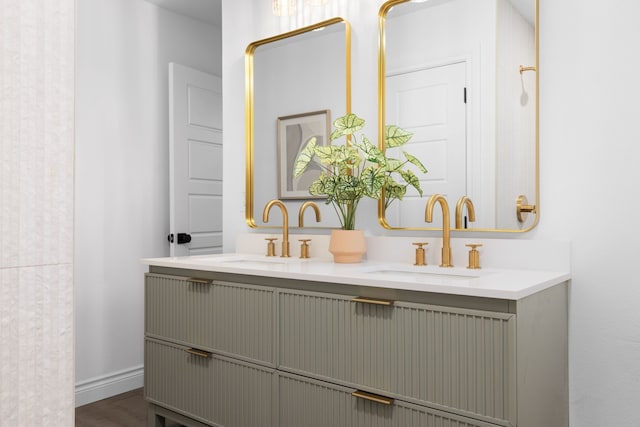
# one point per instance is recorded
(284, 7)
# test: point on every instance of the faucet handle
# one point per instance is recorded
(420, 253)
(474, 256)
(304, 248)
(271, 247)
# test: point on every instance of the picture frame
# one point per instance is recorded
(294, 132)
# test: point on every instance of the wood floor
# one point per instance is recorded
(124, 410)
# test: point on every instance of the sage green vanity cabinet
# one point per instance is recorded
(206, 387)
(228, 318)
(312, 403)
(239, 350)
(447, 358)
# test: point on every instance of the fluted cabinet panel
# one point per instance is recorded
(443, 357)
(223, 317)
(212, 389)
(311, 403)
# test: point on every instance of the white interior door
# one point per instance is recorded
(195, 127)
(430, 103)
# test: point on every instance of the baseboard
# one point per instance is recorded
(109, 385)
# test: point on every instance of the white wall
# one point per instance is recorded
(122, 175)
(590, 146)
(515, 117)
(36, 213)
(589, 154)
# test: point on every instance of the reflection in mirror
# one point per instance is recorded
(297, 82)
(450, 72)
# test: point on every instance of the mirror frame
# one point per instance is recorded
(382, 17)
(249, 107)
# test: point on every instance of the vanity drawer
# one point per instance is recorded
(446, 358)
(209, 388)
(227, 318)
(311, 403)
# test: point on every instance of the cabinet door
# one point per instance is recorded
(227, 318)
(310, 403)
(208, 388)
(446, 358)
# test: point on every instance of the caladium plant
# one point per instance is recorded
(358, 168)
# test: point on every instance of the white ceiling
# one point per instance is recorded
(209, 11)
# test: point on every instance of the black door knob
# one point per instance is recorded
(183, 238)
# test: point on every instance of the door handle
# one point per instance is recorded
(183, 238)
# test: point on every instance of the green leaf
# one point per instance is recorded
(394, 190)
(326, 154)
(305, 157)
(373, 182)
(347, 188)
(414, 160)
(321, 186)
(412, 180)
(395, 136)
(346, 125)
(392, 165)
(373, 153)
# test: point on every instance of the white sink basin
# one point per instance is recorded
(424, 273)
(247, 260)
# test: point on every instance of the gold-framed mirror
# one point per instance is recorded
(296, 83)
(462, 76)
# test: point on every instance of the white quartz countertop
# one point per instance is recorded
(512, 284)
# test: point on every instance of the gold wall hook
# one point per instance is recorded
(304, 206)
(523, 69)
(523, 208)
(462, 202)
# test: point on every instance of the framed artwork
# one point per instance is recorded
(294, 133)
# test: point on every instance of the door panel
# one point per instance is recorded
(430, 103)
(195, 116)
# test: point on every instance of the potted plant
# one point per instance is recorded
(358, 169)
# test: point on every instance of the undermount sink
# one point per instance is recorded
(247, 260)
(421, 273)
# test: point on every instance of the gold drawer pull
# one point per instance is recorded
(373, 301)
(372, 397)
(199, 353)
(200, 280)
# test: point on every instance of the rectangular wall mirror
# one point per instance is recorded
(296, 83)
(462, 76)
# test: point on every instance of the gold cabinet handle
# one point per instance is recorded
(199, 353)
(200, 280)
(372, 397)
(372, 301)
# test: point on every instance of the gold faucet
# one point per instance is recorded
(446, 232)
(462, 201)
(285, 224)
(304, 206)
